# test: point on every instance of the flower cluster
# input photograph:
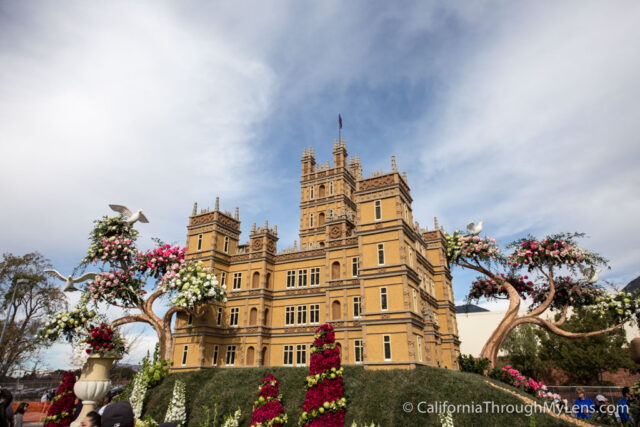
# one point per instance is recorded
(460, 245)
(513, 377)
(488, 288)
(232, 420)
(67, 324)
(103, 341)
(161, 260)
(324, 402)
(620, 307)
(137, 394)
(194, 285)
(63, 404)
(176, 412)
(111, 239)
(550, 251)
(154, 369)
(115, 285)
(268, 410)
(567, 292)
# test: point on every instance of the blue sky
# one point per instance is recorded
(523, 114)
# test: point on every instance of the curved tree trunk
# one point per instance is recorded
(491, 352)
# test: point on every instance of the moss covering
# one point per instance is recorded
(375, 396)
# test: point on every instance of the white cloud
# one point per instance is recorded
(538, 130)
(122, 104)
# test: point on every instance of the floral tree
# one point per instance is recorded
(62, 407)
(133, 279)
(268, 410)
(554, 273)
(324, 403)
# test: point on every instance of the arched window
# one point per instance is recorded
(335, 310)
(265, 319)
(253, 317)
(264, 357)
(255, 281)
(321, 219)
(321, 190)
(250, 356)
(268, 281)
(335, 270)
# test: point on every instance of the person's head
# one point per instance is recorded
(626, 392)
(91, 420)
(601, 400)
(118, 414)
(580, 392)
(22, 408)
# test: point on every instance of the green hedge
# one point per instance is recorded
(372, 395)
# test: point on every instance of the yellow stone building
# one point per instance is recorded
(363, 265)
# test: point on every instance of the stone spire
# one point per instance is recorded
(435, 222)
(217, 208)
(394, 167)
(237, 217)
(194, 212)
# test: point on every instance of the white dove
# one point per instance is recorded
(591, 276)
(131, 217)
(475, 229)
(70, 281)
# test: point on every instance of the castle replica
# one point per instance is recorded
(363, 265)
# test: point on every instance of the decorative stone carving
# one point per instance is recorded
(271, 246)
(335, 232)
(377, 182)
(257, 244)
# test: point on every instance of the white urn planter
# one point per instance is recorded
(93, 385)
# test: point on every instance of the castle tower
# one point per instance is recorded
(325, 192)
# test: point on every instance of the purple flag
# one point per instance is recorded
(340, 121)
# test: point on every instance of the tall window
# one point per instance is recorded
(289, 316)
(223, 278)
(226, 244)
(311, 192)
(291, 278)
(356, 307)
(302, 314)
(383, 299)
(301, 354)
(415, 301)
(311, 220)
(302, 278)
(233, 318)
(359, 356)
(219, 319)
(378, 209)
(315, 276)
(199, 241)
(406, 212)
(314, 314)
(331, 187)
(190, 320)
(216, 349)
(237, 280)
(410, 258)
(184, 355)
(380, 253)
(386, 339)
(419, 348)
(231, 355)
(288, 355)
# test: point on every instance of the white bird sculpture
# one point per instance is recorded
(131, 217)
(475, 229)
(591, 276)
(70, 281)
